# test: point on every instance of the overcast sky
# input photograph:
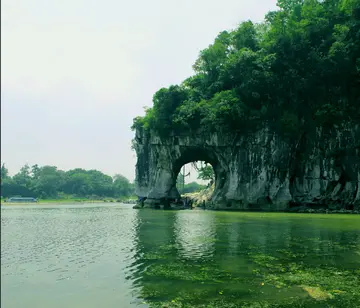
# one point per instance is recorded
(74, 73)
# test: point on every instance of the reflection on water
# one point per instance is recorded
(114, 256)
(194, 234)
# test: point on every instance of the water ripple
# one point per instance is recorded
(113, 256)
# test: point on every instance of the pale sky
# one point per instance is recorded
(74, 73)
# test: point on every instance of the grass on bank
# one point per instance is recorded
(67, 200)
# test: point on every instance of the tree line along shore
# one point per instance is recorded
(48, 184)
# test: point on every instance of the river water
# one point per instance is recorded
(87, 256)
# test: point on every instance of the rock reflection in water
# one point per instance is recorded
(195, 234)
(114, 256)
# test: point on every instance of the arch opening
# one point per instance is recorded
(196, 169)
(195, 176)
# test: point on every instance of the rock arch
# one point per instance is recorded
(189, 154)
(160, 160)
(258, 170)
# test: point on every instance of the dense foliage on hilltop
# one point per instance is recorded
(49, 182)
(299, 68)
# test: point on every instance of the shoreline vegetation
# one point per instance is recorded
(197, 198)
(70, 201)
(48, 184)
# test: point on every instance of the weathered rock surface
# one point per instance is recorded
(256, 171)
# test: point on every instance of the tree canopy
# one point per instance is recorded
(49, 182)
(299, 68)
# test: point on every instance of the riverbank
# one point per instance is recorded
(201, 200)
(289, 211)
(69, 201)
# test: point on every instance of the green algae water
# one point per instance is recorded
(108, 256)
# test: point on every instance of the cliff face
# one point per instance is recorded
(256, 171)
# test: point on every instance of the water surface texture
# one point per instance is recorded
(109, 256)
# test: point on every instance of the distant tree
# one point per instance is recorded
(206, 173)
(101, 184)
(77, 182)
(122, 186)
(35, 171)
(48, 181)
(10, 189)
(4, 172)
(19, 185)
(191, 187)
(23, 177)
(88, 182)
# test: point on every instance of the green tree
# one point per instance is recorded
(48, 182)
(122, 186)
(289, 5)
(35, 171)
(77, 182)
(23, 177)
(4, 172)
(101, 184)
(166, 101)
(19, 185)
(245, 36)
(298, 70)
(191, 187)
(206, 173)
